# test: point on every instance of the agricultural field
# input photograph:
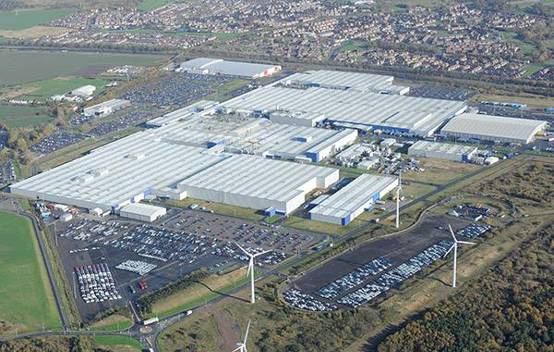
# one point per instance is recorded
(22, 19)
(43, 90)
(23, 116)
(26, 302)
(19, 67)
(149, 5)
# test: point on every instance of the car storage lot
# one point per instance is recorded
(177, 244)
(359, 276)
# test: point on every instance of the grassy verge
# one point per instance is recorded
(220, 208)
(118, 343)
(199, 293)
(26, 300)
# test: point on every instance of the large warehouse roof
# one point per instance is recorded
(364, 82)
(364, 110)
(493, 128)
(233, 68)
(447, 148)
(251, 135)
(355, 196)
(258, 182)
(114, 174)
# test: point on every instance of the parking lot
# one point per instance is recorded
(174, 90)
(56, 141)
(142, 257)
(361, 275)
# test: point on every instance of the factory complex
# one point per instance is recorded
(257, 150)
(377, 105)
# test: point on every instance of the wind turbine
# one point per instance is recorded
(455, 246)
(398, 190)
(242, 345)
(251, 270)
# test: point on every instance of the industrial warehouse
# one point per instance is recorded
(221, 152)
(470, 126)
(353, 199)
(212, 66)
(363, 107)
(446, 151)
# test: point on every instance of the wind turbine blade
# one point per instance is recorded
(242, 249)
(238, 348)
(452, 233)
(464, 242)
(246, 334)
(261, 253)
(448, 251)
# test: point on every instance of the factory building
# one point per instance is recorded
(498, 129)
(341, 80)
(182, 114)
(238, 134)
(147, 164)
(258, 183)
(353, 199)
(349, 108)
(84, 91)
(446, 151)
(210, 66)
(142, 212)
(106, 108)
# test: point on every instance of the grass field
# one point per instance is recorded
(21, 19)
(149, 5)
(197, 294)
(23, 116)
(220, 208)
(113, 323)
(25, 297)
(20, 67)
(42, 90)
(118, 343)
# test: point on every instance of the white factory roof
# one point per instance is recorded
(353, 196)
(84, 91)
(493, 127)
(418, 115)
(182, 113)
(115, 173)
(364, 82)
(233, 68)
(141, 209)
(255, 177)
(449, 148)
(250, 135)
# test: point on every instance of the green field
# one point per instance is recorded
(149, 5)
(43, 90)
(25, 297)
(21, 19)
(129, 343)
(20, 66)
(23, 116)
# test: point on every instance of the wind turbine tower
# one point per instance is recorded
(242, 345)
(455, 247)
(250, 270)
(398, 190)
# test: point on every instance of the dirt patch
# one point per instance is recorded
(227, 330)
(33, 32)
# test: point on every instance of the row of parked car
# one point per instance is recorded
(96, 283)
(354, 278)
(305, 301)
(473, 230)
(395, 276)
